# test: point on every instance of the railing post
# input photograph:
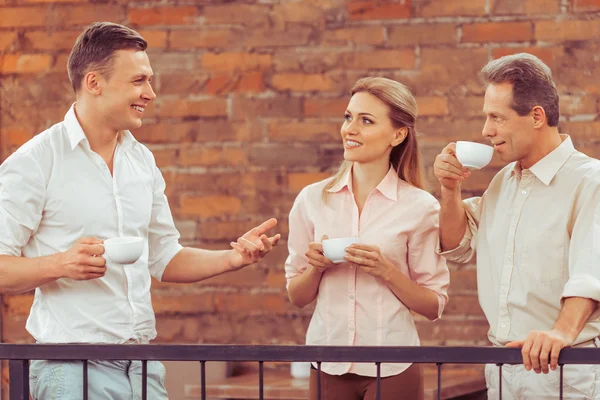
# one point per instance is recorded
(18, 371)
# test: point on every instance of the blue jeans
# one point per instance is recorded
(107, 380)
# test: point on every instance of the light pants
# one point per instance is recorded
(107, 380)
(579, 382)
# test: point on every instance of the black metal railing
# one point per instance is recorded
(20, 354)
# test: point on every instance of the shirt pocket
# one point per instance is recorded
(543, 255)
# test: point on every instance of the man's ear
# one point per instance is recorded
(539, 116)
(399, 136)
(92, 83)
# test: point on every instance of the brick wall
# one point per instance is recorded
(251, 96)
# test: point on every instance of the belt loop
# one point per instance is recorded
(597, 341)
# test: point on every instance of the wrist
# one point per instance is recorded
(451, 193)
(53, 266)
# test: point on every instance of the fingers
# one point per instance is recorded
(89, 240)
(555, 352)
(275, 240)
(363, 262)
(515, 344)
(266, 226)
(525, 353)
(354, 250)
(450, 148)
(544, 358)
(324, 237)
(316, 256)
(92, 249)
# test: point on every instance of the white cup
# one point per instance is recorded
(300, 370)
(335, 249)
(123, 250)
(473, 155)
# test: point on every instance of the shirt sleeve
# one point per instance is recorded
(163, 237)
(584, 253)
(426, 266)
(22, 198)
(301, 233)
(465, 251)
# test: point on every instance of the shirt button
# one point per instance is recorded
(509, 257)
(351, 297)
(351, 329)
(504, 325)
(524, 192)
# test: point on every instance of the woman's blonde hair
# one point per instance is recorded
(403, 112)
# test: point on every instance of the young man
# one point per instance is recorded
(84, 180)
(534, 233)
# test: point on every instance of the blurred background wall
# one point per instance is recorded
(251, 96)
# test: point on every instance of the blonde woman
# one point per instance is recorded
(377, 196)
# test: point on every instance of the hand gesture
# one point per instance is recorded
(254, 245)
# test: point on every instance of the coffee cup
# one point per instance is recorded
(123, 250)
(473, 155)
(335, 249)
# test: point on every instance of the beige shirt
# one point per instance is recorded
(535, 234)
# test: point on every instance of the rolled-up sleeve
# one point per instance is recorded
(584, 254)
(163, 237)
(22, 194)
(465, 251)
(428, 268)
(300, 235)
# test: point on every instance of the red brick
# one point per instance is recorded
(469, 106)
(293, 35)
(463, 281)
(25, 63)
(432, 106)
(304, 131)
(196, 108)
(236, 61)
(280, 106)
(205, 39)
(156, 39)
(192, 132)
(165, 157)
(298, 12)
(299, 180)
(71, 15)
(527, 7)
(463, 305)
(452, 8)
(7, 40)
(303, 82)
(567, 30)
(259, 303)
(448, 70)
(23, 17)
(586, 5)
(374, 9)
(60, 64)
(410, 35)
(574, 105)
(50, 1)
(379, 59)
(324, 107)
(546, 54)
(370, 34)
(209, 156)
(451, 332)
(163, 15)
(183, 304)
(177, 82)
(210, 206)
(232, 14)
(249, 82)
(497, 32)
(17, 304)
(53, 40)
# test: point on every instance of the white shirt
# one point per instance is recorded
(55, 190)
(536, 235)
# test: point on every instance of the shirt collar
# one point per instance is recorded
(387, 187)
(77, 135)
(547, 168)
